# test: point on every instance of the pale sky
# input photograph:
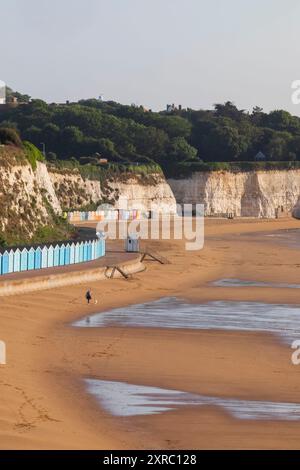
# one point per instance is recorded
(153, 52)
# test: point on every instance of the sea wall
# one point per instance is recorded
(85, 276)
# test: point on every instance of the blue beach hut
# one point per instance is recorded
(50, 257)
(94, 249)
(72, 253)
(77, 253)
(62, 253)
(67, 254)
(31, 254)
(24, 260)
(56, 256)
(38, 258)
(5, 262)
(44, 257)
(85, 251)
(17, 261)
(98, 249)
(11, 261)
(89, 251)
(81, 252)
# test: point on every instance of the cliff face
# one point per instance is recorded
(72, 191)
(45, 184)
(246, 194)
(29, 197)
(155, 194)
(23, 206)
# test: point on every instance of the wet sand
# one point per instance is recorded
(45, 403)
(282, 320)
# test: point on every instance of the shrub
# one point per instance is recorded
(33, 154)
(10, 136)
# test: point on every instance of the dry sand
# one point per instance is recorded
(43, 400)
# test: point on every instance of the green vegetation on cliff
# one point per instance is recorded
(183, 170)
(22, 151)
(57, 229)
(33, 154)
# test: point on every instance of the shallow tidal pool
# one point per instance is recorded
(170, 312)
(123, 399)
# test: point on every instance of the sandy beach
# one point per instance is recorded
(45, 404)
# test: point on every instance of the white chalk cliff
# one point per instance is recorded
(28, 196)
(246, 194)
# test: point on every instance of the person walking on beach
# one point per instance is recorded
(88, 296)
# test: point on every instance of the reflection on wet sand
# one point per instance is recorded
(247, 283)
(170, 312)
(287, 237)
(123, 399)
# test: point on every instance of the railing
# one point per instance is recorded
(27, 259)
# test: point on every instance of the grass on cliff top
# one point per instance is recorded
(11, 155)
(99, 173)
(183, 170)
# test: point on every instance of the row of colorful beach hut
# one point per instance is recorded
(18, 260)
(102, 215)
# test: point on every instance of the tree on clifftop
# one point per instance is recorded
(10, 136)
